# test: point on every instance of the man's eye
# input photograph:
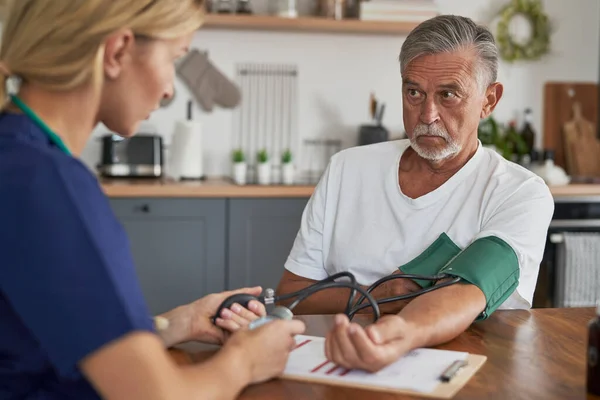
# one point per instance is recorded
(413, 92)
(446, 94)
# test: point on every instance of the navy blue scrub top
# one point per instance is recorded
(67, 280)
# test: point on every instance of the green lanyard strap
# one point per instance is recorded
(54, 138)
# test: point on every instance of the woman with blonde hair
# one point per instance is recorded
(73, 323)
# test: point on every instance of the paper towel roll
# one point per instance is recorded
(186, 151)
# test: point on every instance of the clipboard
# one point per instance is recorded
(443, 390)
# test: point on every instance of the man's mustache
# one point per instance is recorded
(430, 130)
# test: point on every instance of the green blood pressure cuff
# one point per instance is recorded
(488, 263)
(432, 260)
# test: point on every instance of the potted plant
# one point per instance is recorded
(240, 167)
(287, 168)
(263, 168)
(488, 133)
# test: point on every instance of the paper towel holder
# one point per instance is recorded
(186, 149)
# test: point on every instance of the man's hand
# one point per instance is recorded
(194, 321)
(372, 348)
(392, 288)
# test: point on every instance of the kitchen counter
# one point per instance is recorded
(222, 187)
(576, 190)
(210, 188)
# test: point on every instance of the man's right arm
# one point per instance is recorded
(329, 301)
(333, 301)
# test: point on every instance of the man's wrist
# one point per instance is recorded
(416, 334)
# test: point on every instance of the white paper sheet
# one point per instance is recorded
(418, 370)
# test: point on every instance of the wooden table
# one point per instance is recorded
(537, 354)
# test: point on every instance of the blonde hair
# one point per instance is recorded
(58, 44)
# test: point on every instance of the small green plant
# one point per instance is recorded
(238, 156)
(286, 157)
(489, 132)
(262, 156)
(506, 139)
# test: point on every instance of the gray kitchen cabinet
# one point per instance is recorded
(178, 247)
(261, 233)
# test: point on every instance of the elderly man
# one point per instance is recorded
(437, 202)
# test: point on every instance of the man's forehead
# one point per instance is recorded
(443, 68)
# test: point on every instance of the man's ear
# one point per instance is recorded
(116, 49)
(493, 94)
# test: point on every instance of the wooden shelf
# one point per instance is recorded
(305, 24)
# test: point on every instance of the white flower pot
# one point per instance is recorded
(264, 173)
(240, 171)
(287, 174)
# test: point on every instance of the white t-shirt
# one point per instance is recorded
(359, 220)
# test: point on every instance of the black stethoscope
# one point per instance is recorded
(52, 136)
(281, 312)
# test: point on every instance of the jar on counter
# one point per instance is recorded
(334, 9)
(284, 8)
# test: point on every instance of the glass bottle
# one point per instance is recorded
(593, 364)
(527, 132)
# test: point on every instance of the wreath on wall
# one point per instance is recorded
(538, 43)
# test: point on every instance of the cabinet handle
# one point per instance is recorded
(145, 208)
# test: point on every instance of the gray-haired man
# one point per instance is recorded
(435, 203)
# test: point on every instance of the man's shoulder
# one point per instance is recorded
(508, 179)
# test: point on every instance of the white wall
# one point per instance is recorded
(337, 73)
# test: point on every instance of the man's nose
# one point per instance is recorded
(429, 112)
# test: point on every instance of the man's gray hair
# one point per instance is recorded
(449, 33)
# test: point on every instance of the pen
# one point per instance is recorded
(449, 373)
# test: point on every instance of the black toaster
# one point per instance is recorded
(140, 156)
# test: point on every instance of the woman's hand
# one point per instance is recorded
(263, 352)
(230, 320)
(194, 321)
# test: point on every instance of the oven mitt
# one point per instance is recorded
(208, 85)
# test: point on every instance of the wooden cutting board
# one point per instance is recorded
(581, 145)
(559, 98)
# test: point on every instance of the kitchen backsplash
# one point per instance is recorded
(338, 72)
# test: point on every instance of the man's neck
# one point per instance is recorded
(418, 176)
(71, 115)
(447, 167)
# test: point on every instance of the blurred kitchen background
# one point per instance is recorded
(273, 88)
(338, 68)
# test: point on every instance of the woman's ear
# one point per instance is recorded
(117, 48)
(493, 94)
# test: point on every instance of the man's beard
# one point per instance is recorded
(434, 154)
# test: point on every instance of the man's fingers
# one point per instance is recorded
(372, 357)
(228, 314)
(328, 340)
(340, 354)
(257, 308)
(337, 354)
(388, 328)
(243, 313)
(227, 325)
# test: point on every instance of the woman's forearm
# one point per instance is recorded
(174, 327)
(222, 377)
